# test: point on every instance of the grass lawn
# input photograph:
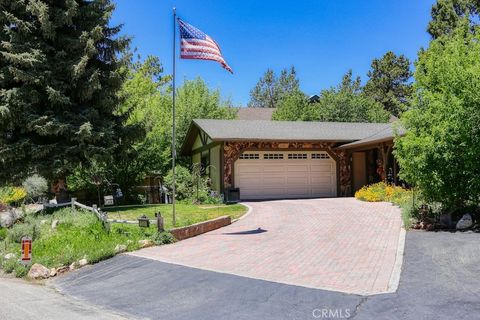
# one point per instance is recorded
(186, 214)
(79, 234)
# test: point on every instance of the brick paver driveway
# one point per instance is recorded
(338, 244)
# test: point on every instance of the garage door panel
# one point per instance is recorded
(285, 178)
(250, 168)
(327, 167)
(297, 181)
(247, 180)
(273, 181)
(274, 167)
(298, 168)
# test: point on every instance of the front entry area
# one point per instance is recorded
(285, 174)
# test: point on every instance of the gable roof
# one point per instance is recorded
(386, 134)
(255, 113)
(261, 130)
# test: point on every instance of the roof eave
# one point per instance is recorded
(359, 144)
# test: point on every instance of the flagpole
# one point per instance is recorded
(174, 153)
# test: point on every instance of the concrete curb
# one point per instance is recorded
(249, 211)
(397, 267)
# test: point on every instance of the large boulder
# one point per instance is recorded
(465, 222)
(9, 217)
(37, 271)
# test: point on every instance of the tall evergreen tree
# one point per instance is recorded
(448, 14)
(388, 82)
(61, 67)
(348, 103)
(270, 89)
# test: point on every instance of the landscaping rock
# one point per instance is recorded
(9, 256)
(53, 272)
(62, 269)
(73, 266)
(37, 271)
(465, 222)
(55, 224)
(82, 262)
(120, 248)
(6, 219)
(145, 243)
(9, 217)
(129, 242)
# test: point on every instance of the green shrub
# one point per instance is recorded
(12, 195)
(20, 270)
(35, 186)
(382, 191)
(9, 265)
(183, 182)
(164, 237)
(192, 186)
(3, 233)
(20, 230)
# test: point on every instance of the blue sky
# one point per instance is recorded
(323, 39)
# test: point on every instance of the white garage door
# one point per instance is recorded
(280, 175)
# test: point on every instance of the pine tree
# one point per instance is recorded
(270, 89)
(449, 14)
(388, 82)
(61, 67)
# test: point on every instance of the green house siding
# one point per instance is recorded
(198, 143)
(196, 158)
(215, 168)
(207, 152)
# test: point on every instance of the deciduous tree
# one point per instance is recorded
(441, 148)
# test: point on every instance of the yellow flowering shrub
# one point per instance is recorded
(10, 195)
(382, 191)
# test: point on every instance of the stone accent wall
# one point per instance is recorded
(201, 227)
(232, 150)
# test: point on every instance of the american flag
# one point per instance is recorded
(194, 44)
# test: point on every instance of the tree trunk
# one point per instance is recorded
(59, 187)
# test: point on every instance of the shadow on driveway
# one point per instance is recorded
(256, 231)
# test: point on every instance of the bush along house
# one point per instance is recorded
(267, 159)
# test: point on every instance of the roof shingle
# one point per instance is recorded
(261, 130)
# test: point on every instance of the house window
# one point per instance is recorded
(273, 156)
(322, 155)
(296, 156)
(249, 156)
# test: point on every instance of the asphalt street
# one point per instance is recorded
(439, 281)
(20, 300)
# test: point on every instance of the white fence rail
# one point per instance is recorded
(102, 216)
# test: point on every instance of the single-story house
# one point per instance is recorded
(291, 159)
